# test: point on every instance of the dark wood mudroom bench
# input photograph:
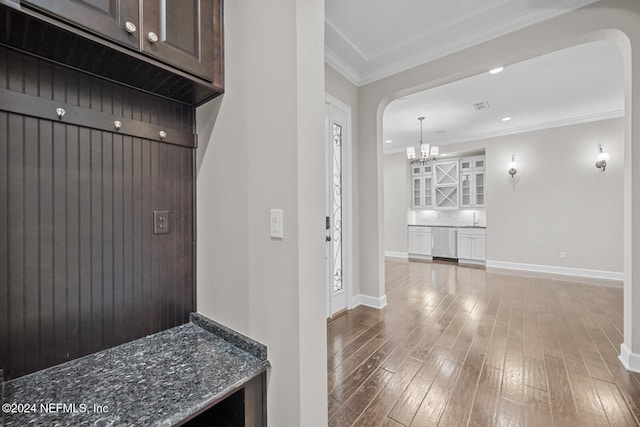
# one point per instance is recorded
(190, 374)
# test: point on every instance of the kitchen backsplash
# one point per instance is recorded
(453, 218)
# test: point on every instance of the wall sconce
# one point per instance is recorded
(513, 166)
(602, 159)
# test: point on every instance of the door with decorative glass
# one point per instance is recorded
(336, 132)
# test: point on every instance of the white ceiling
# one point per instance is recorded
(575, 85)
(366, 40)
(370, 39)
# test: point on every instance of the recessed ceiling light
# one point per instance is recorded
(496, 70)
(506, 119)
(389, 141)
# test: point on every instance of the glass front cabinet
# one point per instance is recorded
(472, 182)
(421, 186)
(448, 184)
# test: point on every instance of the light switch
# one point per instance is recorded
(277, 229)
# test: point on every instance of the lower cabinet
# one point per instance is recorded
(247, 407)
(419, 242)
(472, 245)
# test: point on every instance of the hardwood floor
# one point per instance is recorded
(458, 346)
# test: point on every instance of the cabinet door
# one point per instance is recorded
(478, 193)
(464, 246)
(478, 248)
(424, 240)
(465, 189)
(466, 164)
(107, 18)
(416, 192)
(181, 33)
(427, 202)
(413, 245)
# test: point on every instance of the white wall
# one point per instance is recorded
(614, 20)
(396, 202)
(558, 200)
(258, 146)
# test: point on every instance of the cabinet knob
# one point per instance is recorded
(130, 27)
(60, 112)
(152, 37)
(162, 134)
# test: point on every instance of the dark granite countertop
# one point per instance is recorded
(158, 380)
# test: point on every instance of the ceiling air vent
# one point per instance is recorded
(481, 106)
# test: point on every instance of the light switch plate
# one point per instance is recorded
(277, 229)
(160, 222)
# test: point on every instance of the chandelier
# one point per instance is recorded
(426, 153)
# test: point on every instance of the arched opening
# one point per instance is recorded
(622, 42)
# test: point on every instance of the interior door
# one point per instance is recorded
(336, 128)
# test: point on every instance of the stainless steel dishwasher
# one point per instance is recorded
(444, 242)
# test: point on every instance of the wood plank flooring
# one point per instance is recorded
(457, 346)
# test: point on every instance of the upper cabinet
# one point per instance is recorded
(472, 174)
(180, 33)
(421, 186)
(169, 47)
(117, 20)
(446, 184)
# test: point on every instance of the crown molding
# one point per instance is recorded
(524, 129)
(505, 26)
(346, 39)
(335, 62)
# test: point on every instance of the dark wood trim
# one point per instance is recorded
(194, 222)
(42, 108)
(218, 44)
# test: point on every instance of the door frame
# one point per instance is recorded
(347, 202)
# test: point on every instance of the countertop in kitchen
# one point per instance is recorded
(158, 380)
(448, 226)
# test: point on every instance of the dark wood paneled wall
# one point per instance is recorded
(80, 267)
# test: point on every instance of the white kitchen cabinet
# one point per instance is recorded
(419, 242)
(421, 186)
(472, 245)
(472, 180)
(446, 184)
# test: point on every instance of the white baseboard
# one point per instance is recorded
(393, 254)
(631, 361)
(369, 301)
(463, 261)
(614, 278)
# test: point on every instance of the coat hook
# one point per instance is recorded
(60, 112)
(117, 124)
(162, 134)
